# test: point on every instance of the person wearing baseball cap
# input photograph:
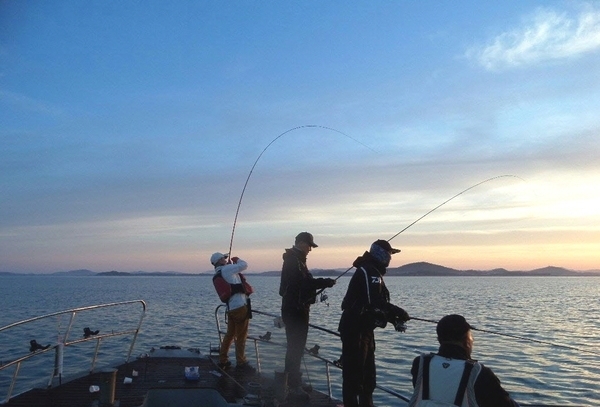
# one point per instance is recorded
(298, 290)
(451, 376)
(366, 306)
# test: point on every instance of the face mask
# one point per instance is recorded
(380, 254)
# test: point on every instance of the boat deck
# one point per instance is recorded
(158, 379)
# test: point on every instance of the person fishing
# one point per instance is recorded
(450, 377)
(238, 310)
(366, 306)
(298, 291)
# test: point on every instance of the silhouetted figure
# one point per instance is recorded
(298, 290)
(36, 346)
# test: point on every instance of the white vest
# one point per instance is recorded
(445, 376)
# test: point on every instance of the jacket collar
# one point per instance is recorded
(453, 351)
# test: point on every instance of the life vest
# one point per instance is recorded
(225, 290)
(444, 382)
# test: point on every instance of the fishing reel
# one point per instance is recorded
(323, 298)
(400, 326)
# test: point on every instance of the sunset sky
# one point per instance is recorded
(129, 128)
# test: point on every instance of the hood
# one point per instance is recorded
(294, 253)
(369, 260)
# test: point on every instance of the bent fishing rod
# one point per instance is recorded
(439, 206)
(237, 211)
(522, 338)
(430, 211)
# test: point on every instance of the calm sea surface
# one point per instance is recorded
(557, 362)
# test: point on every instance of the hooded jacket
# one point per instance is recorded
(298, 288)
(367, 299)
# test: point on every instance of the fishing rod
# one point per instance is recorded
(427, 213)
(439, 206)
(523, 338)
(455, 196)
(261, 154)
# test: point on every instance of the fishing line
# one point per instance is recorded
(261, 154)
(523, 338)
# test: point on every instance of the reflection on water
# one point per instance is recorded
(558, 310)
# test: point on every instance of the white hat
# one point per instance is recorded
(214, 259)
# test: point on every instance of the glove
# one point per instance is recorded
(330, 282)
(400, 327)
(402, 315)
(398, 314)
(399, 318)
(235, 260)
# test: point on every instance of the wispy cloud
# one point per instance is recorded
(545, 35)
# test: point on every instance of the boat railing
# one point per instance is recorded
(220, 317)
(66, 339)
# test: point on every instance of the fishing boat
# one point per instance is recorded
(165, 376)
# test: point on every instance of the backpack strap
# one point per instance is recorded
(426, 361)
(460, 393)
(462, 387)
(367, 285)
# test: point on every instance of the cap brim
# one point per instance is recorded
(394, 251)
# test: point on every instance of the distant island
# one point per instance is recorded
(420, 269)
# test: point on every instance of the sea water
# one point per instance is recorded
(540, 338)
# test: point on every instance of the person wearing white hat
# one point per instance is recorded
(238, 310)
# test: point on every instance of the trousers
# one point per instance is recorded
(358, 367)
(296, 333)
(237, 330)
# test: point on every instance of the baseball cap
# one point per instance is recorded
(385, 245)
(306, 238)
(452, 328)
(217, 256)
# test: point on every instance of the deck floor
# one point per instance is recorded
(163, 372)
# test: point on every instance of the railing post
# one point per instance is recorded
(65, 338)
(328, 380)
(13, 381)
(137, 331)
(257, 355)
(95, 355)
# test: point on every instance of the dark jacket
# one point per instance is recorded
(298, 288)
(367, 300)
(488, 391)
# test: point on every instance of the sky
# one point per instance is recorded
(135, 134)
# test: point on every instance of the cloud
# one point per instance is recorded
(546, 35)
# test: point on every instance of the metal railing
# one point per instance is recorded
(220, 315)
(64, 341)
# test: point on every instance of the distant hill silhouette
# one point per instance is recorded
(419, 269)
(142, 273)
(81, 272)
(429, 269)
